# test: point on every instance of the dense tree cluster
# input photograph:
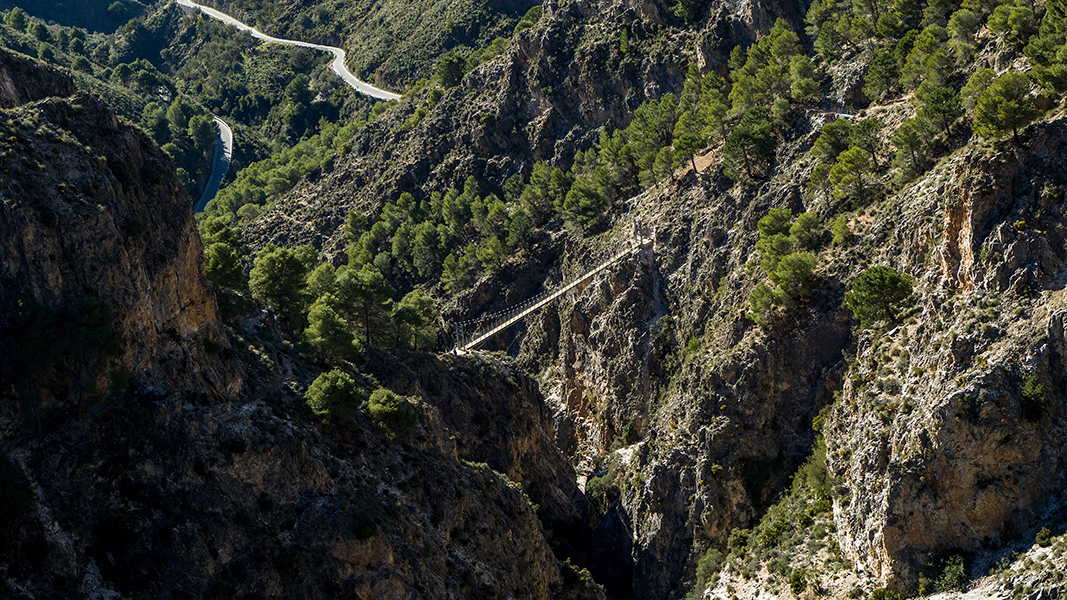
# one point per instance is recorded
(259, 184)
(336, 310)
(187, 133)
(454, 237)
(924, 47)
(273, 96)
(398, 44)
(786, 248)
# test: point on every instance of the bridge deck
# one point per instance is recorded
(584, 277)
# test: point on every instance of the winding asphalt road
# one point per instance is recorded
(219, 166)
(338, 64)
(224, 145)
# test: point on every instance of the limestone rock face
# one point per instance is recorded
(950, 433)
(699, 441)
(91, 207)
(23, 80)
(160, 497)
(495, 414)
(946, 435)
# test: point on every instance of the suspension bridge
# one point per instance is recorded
(489, 325)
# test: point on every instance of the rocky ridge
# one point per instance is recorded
(92, 206)
(932, 443)
(660, 381)
(203, 480)
(259, 497)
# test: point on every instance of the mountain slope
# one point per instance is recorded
(684, 395)
(388, 42)
(92, 209)
(209, 475)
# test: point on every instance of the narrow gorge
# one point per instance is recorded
(657, 300)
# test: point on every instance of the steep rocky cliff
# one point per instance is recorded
(24, 80)
(198, 482)
(91, 207)
(945, 436)
(725, 449)
(160, 498)
(964, 449)
(498, 416)
(662, 383)
(690, 416)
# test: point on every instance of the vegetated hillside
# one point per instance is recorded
(145, 451)
(171, 73)
(96, 230)
(102, 16)
(388, 43)
(262, 497)
(584, 67)
(275, 94)
(842, 370)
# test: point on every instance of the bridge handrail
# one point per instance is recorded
(511, 316)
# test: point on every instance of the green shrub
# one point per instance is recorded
(884, 594)
(777, 220)
(772, 248)
(763, 299)
(394, 413)
(709, 566)
(1033, 399)
(794, 274)
(222, 266)
(878, 293)
(602, 490)
(738, 540)
(334, 393)
(842, 233)
(805, 231)
(797, 581)
(791, 271)
(1044, 537)
(596, 486)
(1005, 107)
(779, 566)
(450, 70)
(953, 575)
(328, 333)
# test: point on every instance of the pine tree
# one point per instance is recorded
(850, 172)
(327, 333)
(865, 134)
(832, 140)
(1005, 106)
(416, 316)
(277, 279)
(750, 148)
(450, 70)
(940, 108)
(16, 19)
(878, 293)
(361, 295)
(223, 267)
(911, 143)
